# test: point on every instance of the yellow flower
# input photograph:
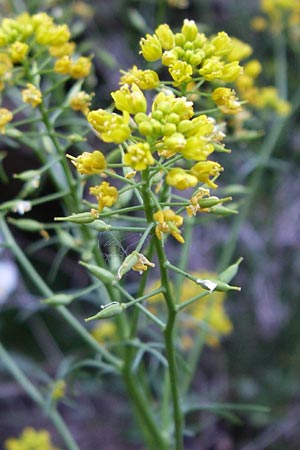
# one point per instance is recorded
(181, 179)
(222, 44)
(81, 102)
(226, 100)
(189, 30)
(231, 72)
(133, 101)
(58, 51)
(194, 206)
(32, 95)
(110, 126)
(63, 65)
(5, 117)
(240, 50)
(258, 23)
(142, 264)
(165, 36)
(5, 66)
(58, 390)
(181, 72)
(53, 35)
(144, 79)
(197, 147)
(151, 48)
(105, 331)
(203, 170)
(80, 68)
(106, 195)
(253, 68)
(168, 222)
(212, 68)
(18, 51)
(30, 439)
(89, 163)
(138, 156)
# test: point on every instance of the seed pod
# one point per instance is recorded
(212, 201)
(228, 274)
(223, 211)
(216, 285)
(27, 224)
(102, 274)
(108, 311)
(58, 300)
(127, 264)
(85, 217)
(99, 225)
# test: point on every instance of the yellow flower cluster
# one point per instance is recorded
(26, 34)
(279, 15)
(30, 439)
(265, 97)
(190, 53)
(32, 95)
(79, 68)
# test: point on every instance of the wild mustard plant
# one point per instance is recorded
(153, 174)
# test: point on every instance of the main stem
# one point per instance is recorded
(170, 327)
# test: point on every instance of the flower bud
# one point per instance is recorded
(166, 36)
(108, 311)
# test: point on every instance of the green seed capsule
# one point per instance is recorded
(216, 285)
(85, 217)
(108, 311)
(58, 300)
(102, 274)
(99, 225)
(228, 274)
(27, 224)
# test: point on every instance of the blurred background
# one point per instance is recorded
(259, 362)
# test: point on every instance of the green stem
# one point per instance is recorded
(47, 292)
(170, 327)
(33, 392)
